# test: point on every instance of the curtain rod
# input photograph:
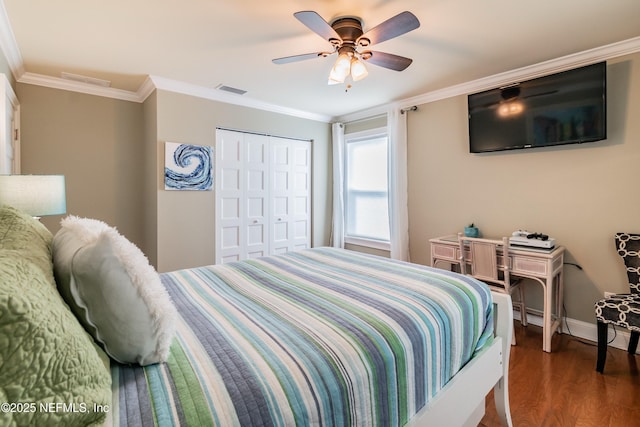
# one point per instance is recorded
(263, 134)
(405, 110)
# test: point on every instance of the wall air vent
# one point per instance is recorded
(85, 79)
(231, 89)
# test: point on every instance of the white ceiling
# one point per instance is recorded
(207, 43)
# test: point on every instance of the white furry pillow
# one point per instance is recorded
(114, 291)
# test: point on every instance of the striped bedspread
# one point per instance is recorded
(321, 337)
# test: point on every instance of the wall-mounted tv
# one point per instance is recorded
(563, 108)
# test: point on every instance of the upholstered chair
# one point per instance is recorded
(622, 309)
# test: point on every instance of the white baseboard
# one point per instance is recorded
(580, 329)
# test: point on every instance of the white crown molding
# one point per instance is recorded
(230, 98)
(552, 66)
(74, 86)
(152, 83)
(8, 44)
(146, 88)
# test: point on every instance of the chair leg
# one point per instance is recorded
(633, 342)
(603, 330)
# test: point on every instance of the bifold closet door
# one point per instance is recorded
(256, 171)
(242, 201)
(230, 208)
(290, 195)
(263, 195)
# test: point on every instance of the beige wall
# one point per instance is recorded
(186, 229)
(97, 143)
(579, 194)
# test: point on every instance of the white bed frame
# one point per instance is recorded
(462, 401)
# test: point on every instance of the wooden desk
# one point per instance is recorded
(545, 267)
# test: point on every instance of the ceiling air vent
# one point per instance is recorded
(231, 89)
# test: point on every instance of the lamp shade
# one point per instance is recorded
(37, 195)
(358, 70)
(340, 69)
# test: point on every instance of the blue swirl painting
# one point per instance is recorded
(188, 167)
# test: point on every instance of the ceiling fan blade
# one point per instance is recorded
(388, 60)
(393, 27)
(296, 58)
(317, 24)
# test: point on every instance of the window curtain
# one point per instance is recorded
(337, 226)
(398, 199)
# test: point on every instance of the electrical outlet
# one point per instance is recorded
(608, 294)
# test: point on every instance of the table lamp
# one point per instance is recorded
(36, 195)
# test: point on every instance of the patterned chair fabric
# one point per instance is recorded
(622, 309)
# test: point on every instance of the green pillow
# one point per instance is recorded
(114, 291)
(48, 363)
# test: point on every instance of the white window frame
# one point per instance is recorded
(381, 132)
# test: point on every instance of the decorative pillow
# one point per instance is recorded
(48, 363)
(21, 232)
(114, 291)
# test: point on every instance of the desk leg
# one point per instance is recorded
(560, 299)
(547, 315)
(553, 301)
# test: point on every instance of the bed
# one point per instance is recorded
(317, 337)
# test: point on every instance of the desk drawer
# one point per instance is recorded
(532, 266)
(445, 252)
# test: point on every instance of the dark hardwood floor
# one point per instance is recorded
(562, 388)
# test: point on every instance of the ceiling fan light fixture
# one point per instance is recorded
(346, 37)
(341, 69)
(358, 69)
(343, 63)
(338, 74)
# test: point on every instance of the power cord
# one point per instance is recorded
(580, 340)
(573, 264)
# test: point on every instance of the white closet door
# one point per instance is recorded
(300, 219)
(230, 206)
(257, 195)
(281, 195)
(263, 195)
(290, 195)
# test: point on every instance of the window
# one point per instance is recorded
(367, 190)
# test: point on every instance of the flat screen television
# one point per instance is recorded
(563, 108)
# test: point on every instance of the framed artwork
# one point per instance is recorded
(188, 167)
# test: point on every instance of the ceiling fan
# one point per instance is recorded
(348, 40)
